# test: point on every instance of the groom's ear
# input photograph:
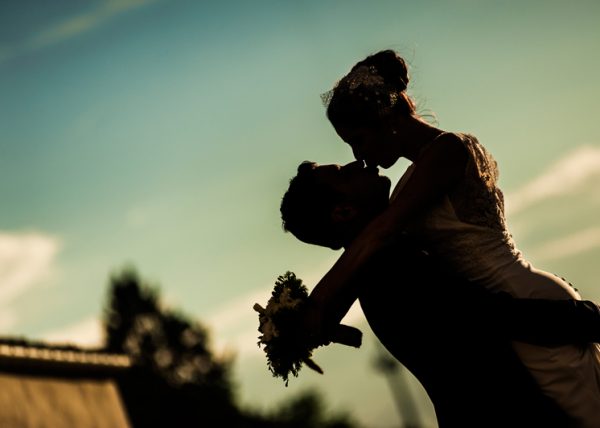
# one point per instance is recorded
(343, 212)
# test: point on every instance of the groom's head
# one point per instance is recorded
(329, 205)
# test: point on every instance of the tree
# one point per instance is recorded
(308, 411)
(176, 379)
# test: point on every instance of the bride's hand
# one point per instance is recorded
(313, 324)
(319, 331)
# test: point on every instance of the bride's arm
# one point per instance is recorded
(439, 168)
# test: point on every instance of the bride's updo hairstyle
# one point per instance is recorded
(373, 89)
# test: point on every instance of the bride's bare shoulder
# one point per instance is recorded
(449, 147)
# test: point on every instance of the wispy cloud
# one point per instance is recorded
(70, 27)
(235, 324)
(26, 259)
(238, 311)
(568, 174)
(8, 319)
(87, 333)
(570, 245)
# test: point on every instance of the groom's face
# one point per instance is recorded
(363, 188)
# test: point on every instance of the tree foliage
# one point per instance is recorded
(177, 380)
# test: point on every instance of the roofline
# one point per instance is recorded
(52, 361)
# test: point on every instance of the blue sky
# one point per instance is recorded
(162, 133)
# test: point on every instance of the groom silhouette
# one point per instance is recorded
(454, 336)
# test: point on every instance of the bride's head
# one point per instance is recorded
(374, 88)
(366, 105)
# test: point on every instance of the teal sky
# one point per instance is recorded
(162, 133)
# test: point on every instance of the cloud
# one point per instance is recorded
(87, 332)
(71, 27)
(235, 324)
(236, 312)
(568, 174)
(8, 319)
(26, 259)
(570, 245)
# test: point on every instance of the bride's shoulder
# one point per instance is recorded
(480, 159)
(462, 137)
(457, 139)
(445, 156)
(465, 142)
(466, 152)
(450, 145)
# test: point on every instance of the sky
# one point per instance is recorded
(163, 133)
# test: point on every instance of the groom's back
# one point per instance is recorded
(429, 322)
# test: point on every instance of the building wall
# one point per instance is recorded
(32, 401)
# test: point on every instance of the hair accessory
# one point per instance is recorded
(366, 84)
(366, 76)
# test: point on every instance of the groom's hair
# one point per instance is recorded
(306, 209)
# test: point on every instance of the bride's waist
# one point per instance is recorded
(507, 270)
(487, 260)
(489, 268)
(492, 249)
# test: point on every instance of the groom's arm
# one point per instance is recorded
(537, 321)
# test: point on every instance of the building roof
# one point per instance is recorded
(20, 355)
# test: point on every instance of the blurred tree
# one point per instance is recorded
(176, 379)
(308, 411)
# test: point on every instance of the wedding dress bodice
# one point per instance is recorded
(467, 229)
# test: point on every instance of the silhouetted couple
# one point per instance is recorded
(494, 341)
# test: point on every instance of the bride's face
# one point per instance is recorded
(375, 146)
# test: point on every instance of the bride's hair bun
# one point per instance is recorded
(373, 89)
(390, 66)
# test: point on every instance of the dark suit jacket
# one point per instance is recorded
(455, 338)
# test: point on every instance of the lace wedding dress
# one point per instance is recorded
(467, 229)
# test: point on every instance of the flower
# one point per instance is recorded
(279, 325)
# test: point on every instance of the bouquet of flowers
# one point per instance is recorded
(286, 346)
